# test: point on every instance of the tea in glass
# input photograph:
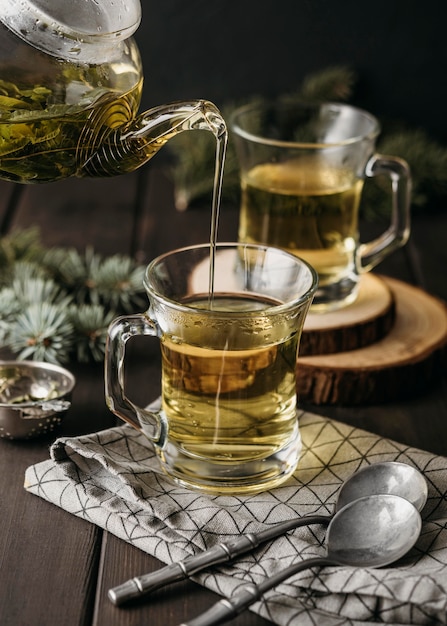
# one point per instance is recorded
(302, 171)
(228, 421)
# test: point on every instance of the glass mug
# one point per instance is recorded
(228, 420)
(302, 171)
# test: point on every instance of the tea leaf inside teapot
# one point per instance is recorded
(40, 127)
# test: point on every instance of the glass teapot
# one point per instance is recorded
(70, 88)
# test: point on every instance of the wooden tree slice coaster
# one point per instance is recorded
(404, 362)
(360, 324)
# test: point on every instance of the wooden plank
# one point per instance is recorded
(9, 197)
(418, 421)
(51, 554)
(80, 213)
(429, 251)
(162, 227)
(44, 549)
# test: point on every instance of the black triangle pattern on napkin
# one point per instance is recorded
(113, 479)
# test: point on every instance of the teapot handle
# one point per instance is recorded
(117, 150)
(152, 424)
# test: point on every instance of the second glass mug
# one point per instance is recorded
(228, 420)
(302, 171)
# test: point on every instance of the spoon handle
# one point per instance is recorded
(220, 553)
(228, 608)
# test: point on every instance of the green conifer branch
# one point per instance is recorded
(56, 304)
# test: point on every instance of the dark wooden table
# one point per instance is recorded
(55, 569)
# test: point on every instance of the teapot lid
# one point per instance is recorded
(78, 30)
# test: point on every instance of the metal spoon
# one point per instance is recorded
(373, 531)
(387, 477)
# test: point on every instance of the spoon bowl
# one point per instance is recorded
(372, 531)
(389, 477)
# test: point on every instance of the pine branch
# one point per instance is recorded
(428, 164)
(22, 246)
(9, 309)
(118, 283)
(74, 270)
(56, 304)
(42, 332)
(334, 83)
(90, 323)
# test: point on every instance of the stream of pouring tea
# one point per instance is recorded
(221, 149)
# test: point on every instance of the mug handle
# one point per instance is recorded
(396, 236)
(152, 424)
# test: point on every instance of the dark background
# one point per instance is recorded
(223, 50)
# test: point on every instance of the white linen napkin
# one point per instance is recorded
(113, 479)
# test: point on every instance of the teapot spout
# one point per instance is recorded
(113, 151)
